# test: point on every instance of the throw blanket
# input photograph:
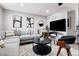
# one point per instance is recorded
(1, 43)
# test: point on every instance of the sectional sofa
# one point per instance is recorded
(13, 39)
(10, 45)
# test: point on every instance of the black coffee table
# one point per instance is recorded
(41, 47)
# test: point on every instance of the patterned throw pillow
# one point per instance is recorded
(17, 32)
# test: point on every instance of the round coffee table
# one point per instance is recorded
(41, 47)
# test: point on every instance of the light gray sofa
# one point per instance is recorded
(26, 36)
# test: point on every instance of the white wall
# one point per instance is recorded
(62, 13)
(8, 20)
(1, 20)
(56, 16)
(78, 14)
(71, 30)
(74, 8)
(8, 24)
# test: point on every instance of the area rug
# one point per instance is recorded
(27, 50)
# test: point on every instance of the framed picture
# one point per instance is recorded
(17, 21)
(30, 22)
(69, 23)
(17, 25)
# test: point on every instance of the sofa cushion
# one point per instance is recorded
(27, 37)
(17, 32)
(12, 39)
(25, 32)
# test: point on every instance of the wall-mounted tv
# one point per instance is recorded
(58, 25)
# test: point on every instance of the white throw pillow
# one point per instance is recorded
(9, 33)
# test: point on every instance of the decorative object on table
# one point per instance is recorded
(30, 22)
(17, 21)
(45, 35)
(69, 23)
(41, 23)
(42, 38)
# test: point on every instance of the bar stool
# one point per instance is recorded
(64, 42)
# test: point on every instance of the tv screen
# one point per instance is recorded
(59, 25)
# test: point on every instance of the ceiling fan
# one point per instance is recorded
(60, 4)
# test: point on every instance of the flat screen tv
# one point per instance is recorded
(58, 25)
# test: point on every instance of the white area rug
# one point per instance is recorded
(27, 50)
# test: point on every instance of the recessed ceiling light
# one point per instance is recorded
(47, 11)
(21, 5)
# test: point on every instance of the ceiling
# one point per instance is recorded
(43, 9)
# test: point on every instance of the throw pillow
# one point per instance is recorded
(8, 34)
